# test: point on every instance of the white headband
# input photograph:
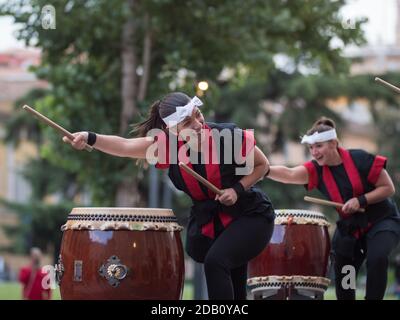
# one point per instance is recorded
(319, 137)
(182, 112)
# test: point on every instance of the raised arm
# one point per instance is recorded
(114, 145)
(296, 175)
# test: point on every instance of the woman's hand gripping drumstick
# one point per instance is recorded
(328, 203)
(199, 178)
(77, 140)
(227, 197)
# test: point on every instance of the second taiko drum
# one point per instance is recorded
(297, 255)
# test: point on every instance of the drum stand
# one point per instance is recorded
(288, 288)
(288, 293)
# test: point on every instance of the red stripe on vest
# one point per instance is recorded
(208, 229)
(312, 175)
(212, 174)
(352, 174)
(226, 219)
(192, 185)
(377, 166)
(162, 151)
(212, 166)
(332, 188)
(248, 142)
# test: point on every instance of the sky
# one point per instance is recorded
(379, 30)
(7, 40)
(382, 18)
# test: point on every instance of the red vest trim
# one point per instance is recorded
(312, 175)
(353, 175)
(192, 185)
(352, 172)
(162, 151)
(248, 142)
(212, 165)
(226, 219)
(208, 229)
(212, 174)
(377, 166)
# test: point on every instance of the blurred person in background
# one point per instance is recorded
(31, 278)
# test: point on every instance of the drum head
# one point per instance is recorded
(122, 219)
(289, 216)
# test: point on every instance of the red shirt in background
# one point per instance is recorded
(32, 286)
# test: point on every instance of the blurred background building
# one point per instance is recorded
(15, 81)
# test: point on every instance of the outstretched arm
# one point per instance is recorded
(296, 175)
(114, 145)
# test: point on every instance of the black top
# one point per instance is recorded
(252, 201)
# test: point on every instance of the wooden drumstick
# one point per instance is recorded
(327, 203)
(199, 178)
(387, 84)
(54, 125)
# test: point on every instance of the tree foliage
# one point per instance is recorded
(106, 61)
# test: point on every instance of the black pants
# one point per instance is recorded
(376, 251)
(225, 262)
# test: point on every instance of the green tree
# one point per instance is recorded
(39, 221)
(107, 60)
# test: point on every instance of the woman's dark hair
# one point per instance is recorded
(321, 125)
(158, 110)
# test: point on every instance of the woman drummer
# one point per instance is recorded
(224, 231)
(357, 179)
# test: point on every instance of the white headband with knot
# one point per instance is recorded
(319, 137)
(182, 112)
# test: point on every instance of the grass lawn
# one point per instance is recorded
(13, 291)
(330, 294)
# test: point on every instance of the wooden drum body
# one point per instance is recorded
(121, 253)
(296, 259)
